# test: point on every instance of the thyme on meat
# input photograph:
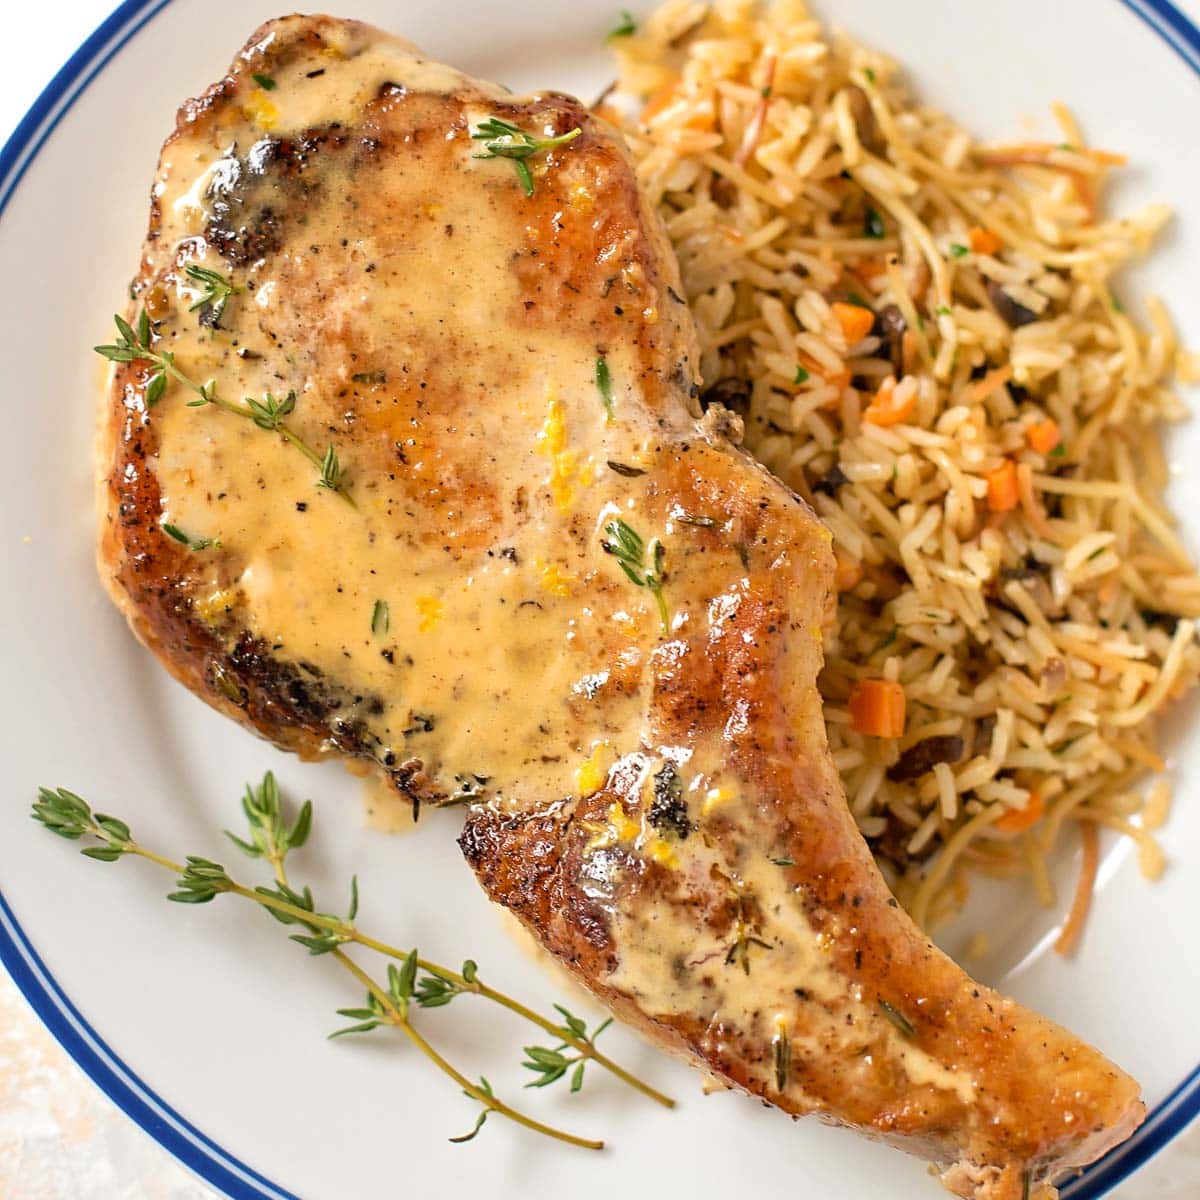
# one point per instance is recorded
(265, 82)
(136, 346)
(380, 618)
(642, 563)
(192, 543)
(739, 949)
(503, 140)
(898, 1019)
(781, 1053)
(604, 387)
(215, 292)
(416, 983)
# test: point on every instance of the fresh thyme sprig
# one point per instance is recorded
(135, 345)
(271, 837)
(642, 564)
(215, 293)
(550, 1064)
(503, 140)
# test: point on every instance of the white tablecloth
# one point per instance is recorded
(60, 1138)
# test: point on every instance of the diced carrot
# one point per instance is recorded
(984, 241)
(848, 571)
(1017, 820)
(877, 708)
(870, 272)
(659, 101)
(885, 410)
(855, 321)
(1044, 436)
(1002, 492)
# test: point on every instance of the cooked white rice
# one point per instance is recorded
(1032, 600)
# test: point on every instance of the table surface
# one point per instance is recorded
(60, 1137)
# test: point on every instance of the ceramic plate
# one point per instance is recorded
(205, 1024)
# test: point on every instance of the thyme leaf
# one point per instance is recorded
(641, 563)
(898, 1019)
(214, 294)
(192, 543)
(380, 618)
(604, 385)
(551, 1063)
(781, 1053)
(504, 140)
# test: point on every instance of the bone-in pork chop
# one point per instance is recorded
(425, 483)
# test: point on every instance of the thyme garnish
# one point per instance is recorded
(550, 1064)
(202, 543)
(625, 471)
(686, 518)
(488, 1094)
(502, 140)
(739, 951)
(331, 471)
(215, 295)
(898, 1019)
(265, 82)
(380, 618)
(1026, 1183)
(134, 346)
(415, 982)
(627, 27)
(784, 862)
(642, 564)
(604, 385)
(781, 1052)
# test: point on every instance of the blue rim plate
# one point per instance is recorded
(55, 1008)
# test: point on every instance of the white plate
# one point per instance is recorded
(207, 1019)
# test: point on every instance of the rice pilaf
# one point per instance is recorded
(920, 335)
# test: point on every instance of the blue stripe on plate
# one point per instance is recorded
(63, 1019)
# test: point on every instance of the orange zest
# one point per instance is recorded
(1003, 494)
(884, 410)
(1017, 820)
(855, 321)
(984, 241)
(877, 708)
(1044, 436)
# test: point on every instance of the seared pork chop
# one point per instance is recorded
(537, 581)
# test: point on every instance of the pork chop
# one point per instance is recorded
(425, 483)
